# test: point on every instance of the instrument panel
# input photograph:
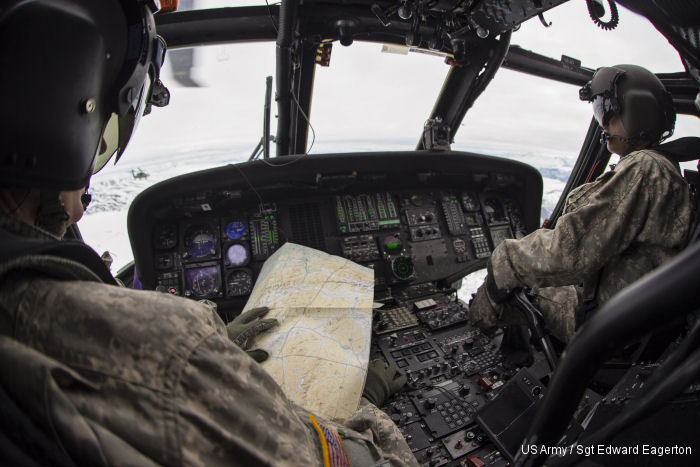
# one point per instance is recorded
(211, 242)
(405, 236)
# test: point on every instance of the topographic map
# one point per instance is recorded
(320, 352)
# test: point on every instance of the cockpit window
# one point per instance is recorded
(572, 33)
(374, 98)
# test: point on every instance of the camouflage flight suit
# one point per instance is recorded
(614, 230)
(119, 376)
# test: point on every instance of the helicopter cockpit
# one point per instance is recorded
(425, 217)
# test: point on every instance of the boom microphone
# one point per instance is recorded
(605, 137)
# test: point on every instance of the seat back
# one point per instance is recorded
(693, 179)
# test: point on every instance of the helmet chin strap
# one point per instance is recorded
(52, 215)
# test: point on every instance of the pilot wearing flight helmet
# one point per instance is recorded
(614, 229)
(92, 373)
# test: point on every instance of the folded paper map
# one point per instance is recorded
(320, 352)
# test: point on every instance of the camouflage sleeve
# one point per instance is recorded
(603, 224)
(231, 410)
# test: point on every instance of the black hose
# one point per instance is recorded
(605, 25)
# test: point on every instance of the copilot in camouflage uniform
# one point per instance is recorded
(120, 376)
(614, 230)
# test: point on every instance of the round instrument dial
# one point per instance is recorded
(239, 282)
(203, 282)
(200, 241)
(392, 244)
(402, 267)
(470, 202)
(235, 230)
(237, 255)
(494, 211)
(165, 236)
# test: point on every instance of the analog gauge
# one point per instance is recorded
(239, 282)
(392, 244)
(164, 261)
(165, 236)
(459, 245)
(237, 255)
(493, 210)
(200, 241)
(235, 230)
(469, 202)
(203, 282)
(402, 267)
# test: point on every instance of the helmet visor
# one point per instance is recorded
(119, 129)
(603, 109)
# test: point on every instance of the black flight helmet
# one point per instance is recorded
(636, 96)
(75, 77)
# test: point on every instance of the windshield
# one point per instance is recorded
(399, 87)
(368, 100)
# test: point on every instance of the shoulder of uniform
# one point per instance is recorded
(155, 333)
(647, 159)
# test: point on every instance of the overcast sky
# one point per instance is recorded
(369, 100)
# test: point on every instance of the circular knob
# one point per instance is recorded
(405, 11)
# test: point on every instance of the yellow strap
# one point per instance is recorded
(324, 443)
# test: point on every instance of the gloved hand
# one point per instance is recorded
(259, 355)
(382, 381)
(489, 307)
(495, 294)
(248, 325)
(485, 307)
(482, 308)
